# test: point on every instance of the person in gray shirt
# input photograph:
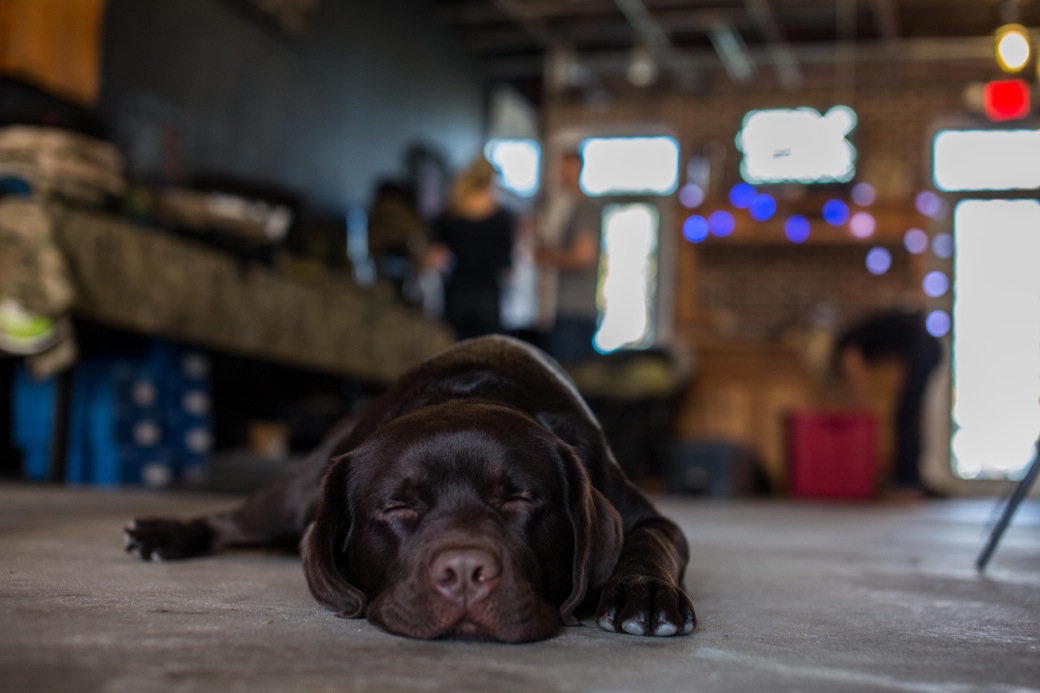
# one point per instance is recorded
(572, 250)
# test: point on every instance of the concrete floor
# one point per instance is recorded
(791, 597)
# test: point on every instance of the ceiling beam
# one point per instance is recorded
(481, 12)
(512, 38)
(520, 12)
(887, 18)
(784, 62)
(922, 50)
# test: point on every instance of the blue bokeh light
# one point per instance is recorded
(938, 323)
(879, 260)
(942, 246)
(931, 205)
(797, 228)
(863, 194)
(935, 284)
(721, 223)
(835, 212)
(763, 207)
(695, 228)
(915, 241)
(741, 195)
(691, 196)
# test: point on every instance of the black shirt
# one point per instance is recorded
(482, 248)
(886, 335)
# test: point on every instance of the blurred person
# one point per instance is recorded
(473, 248)
(398, 237)
(899, 335)
(571, 249)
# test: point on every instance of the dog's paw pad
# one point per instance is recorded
(161, 540)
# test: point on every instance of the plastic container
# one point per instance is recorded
(832, 455)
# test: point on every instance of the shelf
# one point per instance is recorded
(148, 282)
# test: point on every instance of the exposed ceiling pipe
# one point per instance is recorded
(655, 40)
(732, 52)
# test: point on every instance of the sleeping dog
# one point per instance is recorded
(476, 498)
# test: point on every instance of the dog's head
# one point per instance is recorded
(467, 519)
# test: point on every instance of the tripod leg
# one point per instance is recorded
(1016, 498)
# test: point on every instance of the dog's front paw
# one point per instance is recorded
(641, 605)
(167, 540)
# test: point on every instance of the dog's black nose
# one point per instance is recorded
(465, 575)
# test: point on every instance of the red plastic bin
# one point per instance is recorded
(832, 454)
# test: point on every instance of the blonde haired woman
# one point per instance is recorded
(474, 250)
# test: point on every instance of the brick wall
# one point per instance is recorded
(766, 290)
(766, 287)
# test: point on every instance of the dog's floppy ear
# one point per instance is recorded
(323, 543)
(597, 529)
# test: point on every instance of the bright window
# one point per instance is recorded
(986, 160)
(996, 337)
(628, 276)
(797, 146)
(518, 161)
(630, 165)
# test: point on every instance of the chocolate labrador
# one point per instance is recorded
(476, 498)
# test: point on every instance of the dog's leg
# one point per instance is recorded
(645, 595)
(275, 516)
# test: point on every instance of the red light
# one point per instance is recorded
(1006, 99)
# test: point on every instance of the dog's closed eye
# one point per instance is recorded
(517, 502)
(401, 512)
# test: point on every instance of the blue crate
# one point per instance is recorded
(36, 464)
(192, 441)
(188, 418)
(148, 418)
(155, 468)
(32, 414)
(140, 417)
(115, 419)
